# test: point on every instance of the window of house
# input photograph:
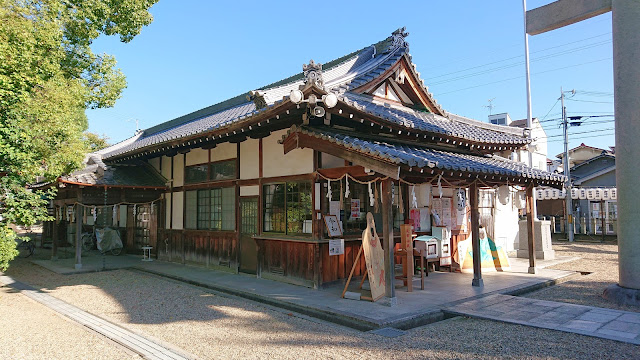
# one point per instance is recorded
(195, 174)
(211, 209)
(287, 208)
(219, 170)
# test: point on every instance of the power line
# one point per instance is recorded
(519, 56)
(520, 77)
(482, 72)
(580, 132)
(589, 101)
(580, 137)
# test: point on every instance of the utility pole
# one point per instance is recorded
(529, 111)
(567, 185)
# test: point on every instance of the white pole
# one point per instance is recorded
(529, 111)
(568, 201)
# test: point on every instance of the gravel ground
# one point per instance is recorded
(33, 331)
(214, 327)
(600, 264)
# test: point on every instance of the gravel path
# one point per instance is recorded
(214, 327)
(599, 263)
(33, 331)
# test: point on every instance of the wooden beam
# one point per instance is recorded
(531, 231)
(387, 238)
(562, 13)
(475, 236)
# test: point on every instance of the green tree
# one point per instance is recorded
(95, 142)
(48, 78)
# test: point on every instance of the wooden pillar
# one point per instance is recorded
(54, 234)
(387, 230)
(79, 215)
(475, 236)
(531, 231)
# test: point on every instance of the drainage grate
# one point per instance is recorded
(388, 332)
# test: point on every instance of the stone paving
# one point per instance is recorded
(141, 345)
(586, 320)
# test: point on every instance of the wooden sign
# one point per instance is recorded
(374, 257)
(333, 226)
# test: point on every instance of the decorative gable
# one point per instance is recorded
(402, 84)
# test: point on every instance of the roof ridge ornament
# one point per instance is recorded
(313, 74)
(399, 39)
(258, 99)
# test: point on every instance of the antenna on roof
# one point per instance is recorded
(137, 125)
(490, 106)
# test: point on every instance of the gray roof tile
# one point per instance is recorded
(423, 157)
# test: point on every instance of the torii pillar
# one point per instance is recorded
(626, 73)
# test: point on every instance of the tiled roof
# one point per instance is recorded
(341, 76)
(455, 126)
(138, 174)
(423, 157)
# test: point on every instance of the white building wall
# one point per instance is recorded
(276, 163)
(178, 205)
(224, 151)
(250, 159)
(197, 156)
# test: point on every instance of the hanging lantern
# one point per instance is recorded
(598, 194)
(606, 194)
(539, 194)
(582, 194)
(575, 193)
(614, 194)
(591, 194)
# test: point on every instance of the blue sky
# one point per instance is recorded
(198, 53)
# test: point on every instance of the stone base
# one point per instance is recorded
(621, 295)
(540, 254)
(542, 230)
(78, 266)
(389, 301)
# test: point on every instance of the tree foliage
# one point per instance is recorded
(95, 142)
(49, 76)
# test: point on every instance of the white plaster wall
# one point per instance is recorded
(178, 205)
(166, 167)
(167, 218)
(330, 161)
(178, 170)
(253, 190)
(197, 156)
(249, 159)
(276, 163)
(224, 151)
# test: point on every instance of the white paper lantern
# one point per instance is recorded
(614, 194)
(539, 194)
(582, 194)
(575, 193)
(591, 194)
(555, 194)
(606, 194)
(598, 194)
